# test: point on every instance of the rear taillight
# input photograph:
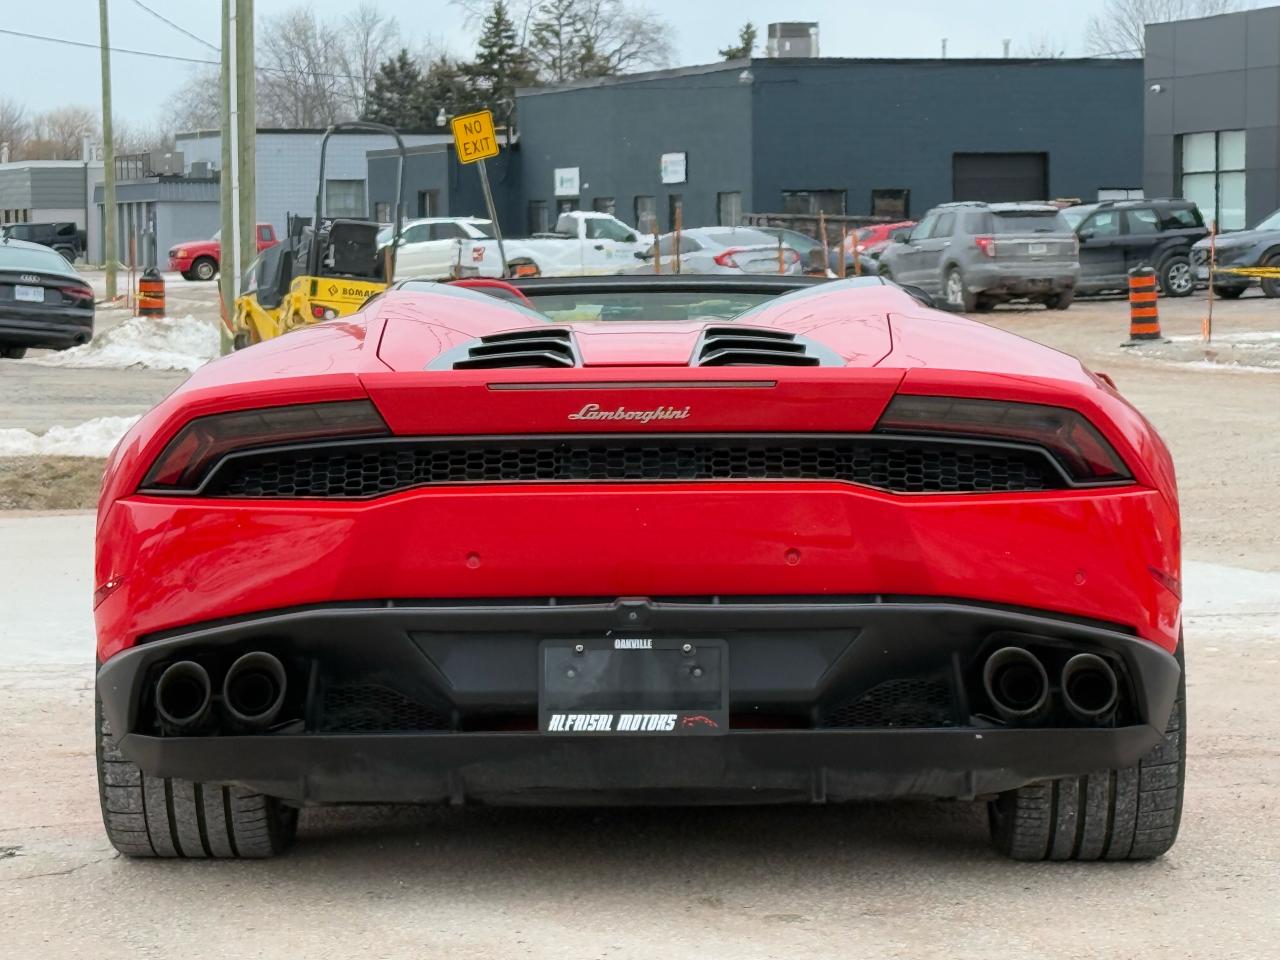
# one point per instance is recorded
(188, 457)
(726, 259)
(78, 293)
(986, 245)
(1071, 439)
(323, 313)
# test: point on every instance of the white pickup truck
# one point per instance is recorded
(584, 243)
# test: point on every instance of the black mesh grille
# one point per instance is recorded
(371, 708)
(897, 703)
(373, 468)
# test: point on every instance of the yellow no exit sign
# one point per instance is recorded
(473, 136)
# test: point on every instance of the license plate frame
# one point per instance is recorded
(1037, 249)
(25, 293)
(633, 686)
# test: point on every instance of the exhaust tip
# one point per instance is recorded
(1016, 683)
(182, 694)
(254, 689)
(1090, 690)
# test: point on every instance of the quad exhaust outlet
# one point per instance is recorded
(1016, 684)
(253, 691)
(183, 693)
(1090, 690)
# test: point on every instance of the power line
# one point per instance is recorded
(170, 56)
(94, 46)
(182, 30)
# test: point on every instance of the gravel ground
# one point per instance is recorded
(900, 880)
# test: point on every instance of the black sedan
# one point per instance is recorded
(43, 301)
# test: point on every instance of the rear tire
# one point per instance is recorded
(1271, 287)
(13, 353)
(1177, 279)
(1228, 293)
(204, 268)
(958, 297)
(1060, 301)
(149, 816)
(1129, 814)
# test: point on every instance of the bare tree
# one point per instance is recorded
(59, 134)
(299, 81)
(572, 39)
(1120, 29)
(15, 128)
(1041, 47)
(196, 104)
(140, 138)
(369, 40)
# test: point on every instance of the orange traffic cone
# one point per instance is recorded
(1144, 313)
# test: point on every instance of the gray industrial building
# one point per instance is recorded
(156, 211)
(1212, 114)
(44, 191)
(288, 162)
(436, 185)
(887, 138)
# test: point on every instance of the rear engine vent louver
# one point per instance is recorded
(550, 347)
(754, 347)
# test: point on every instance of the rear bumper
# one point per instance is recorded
(795, 668)
(1023, 279)
(45, 327)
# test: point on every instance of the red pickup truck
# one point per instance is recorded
(199, 259)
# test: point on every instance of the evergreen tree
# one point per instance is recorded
(746, 43)
(500, 66)
(397, 95)
(446, 90)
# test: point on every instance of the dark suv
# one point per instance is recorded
(1118, 235)
(63, 236)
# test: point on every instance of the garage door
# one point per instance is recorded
(1000, 176)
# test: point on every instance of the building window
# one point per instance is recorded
(1213, 176)
(1120, 193)
(344, 198)
(382, 211)
(539, 218)
(675, 211)
(646, 209)
(566, 205)
(813, 202)
(729, 209)
(604, 205)
(893, 203)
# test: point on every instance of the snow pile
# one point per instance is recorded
(94, 438)
(158, 343)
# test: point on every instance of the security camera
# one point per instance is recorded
(1157, 88)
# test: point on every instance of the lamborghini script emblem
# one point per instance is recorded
(592, 411)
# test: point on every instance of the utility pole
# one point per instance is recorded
(230, 222)
(108, 157)
(246, 135)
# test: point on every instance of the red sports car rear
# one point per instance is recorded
(835, 546)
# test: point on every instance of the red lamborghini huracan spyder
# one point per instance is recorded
(661, 539)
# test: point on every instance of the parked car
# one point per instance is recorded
(432, 248)
(812, 259)
(1258, 247)
(877, 235)
(200, 259)
(466, 553)
(1118, 235)
(975, 255)
(44, 302)
(721, 250)
(584, 243)
(63, 236)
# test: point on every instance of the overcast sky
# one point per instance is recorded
(46, 75)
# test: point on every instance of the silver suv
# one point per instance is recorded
(975, 255)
